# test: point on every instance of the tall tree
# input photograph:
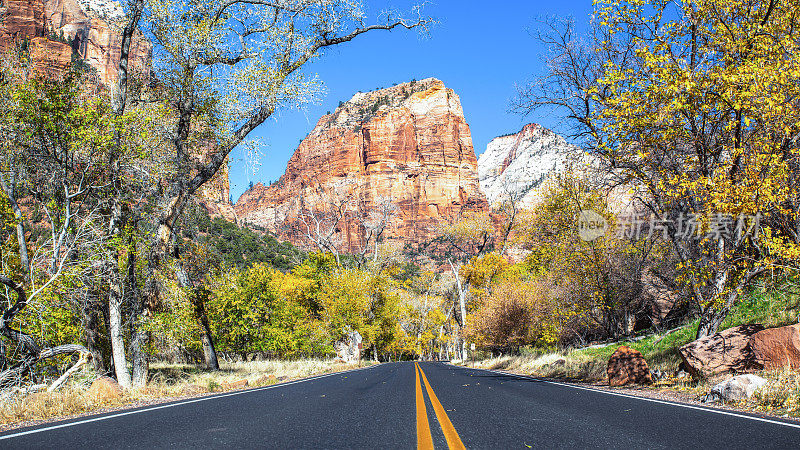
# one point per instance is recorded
(55, 151)
(469, 234)
(228, 65)
(695, 103)
(120, 218)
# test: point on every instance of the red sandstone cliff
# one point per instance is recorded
(408, 144)
(215, 195)
(94, 27)
(20, 19)
(23, 21)
(49, 58)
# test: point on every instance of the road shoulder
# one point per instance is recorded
(147, 403)
(663, 394)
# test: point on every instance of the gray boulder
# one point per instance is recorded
(736, 388)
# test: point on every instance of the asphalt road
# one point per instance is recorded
(397, 405)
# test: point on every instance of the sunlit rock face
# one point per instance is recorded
(516, 165)
(408, 144)
(23, 25)
(95, 28)
(214, 195)
(49, 58)
(20, 20)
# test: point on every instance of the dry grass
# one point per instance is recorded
(175, 378)
(69, 400)
(66, 402)
(780, 396)
(566, 365)
(167, 381)
(769, 307)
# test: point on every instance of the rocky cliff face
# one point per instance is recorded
(215, 195)
(49, 58)
(24, 22)
(409, 145)
(20, 19)
(95, 27)
(516, 165)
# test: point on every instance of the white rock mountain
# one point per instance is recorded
(517, 164)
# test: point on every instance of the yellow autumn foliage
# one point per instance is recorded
(704, 116)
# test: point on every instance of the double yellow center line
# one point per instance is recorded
(424, 439)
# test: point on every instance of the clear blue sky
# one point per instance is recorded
(480, 49)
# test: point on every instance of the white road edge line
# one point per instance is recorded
(619, 394)
(201, 399)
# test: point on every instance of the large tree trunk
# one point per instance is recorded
(713, 313)
(23, 248)
(120, 94)
(462, 305)
(143, 304)
(91, 326)
(139, 346)
(116, 297)
(710, 321)
(140, 340)
(209, 352)
(117, 335)
(718, 308)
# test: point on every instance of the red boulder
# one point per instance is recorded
(628, 366)
(775, 348)
(726, 351)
